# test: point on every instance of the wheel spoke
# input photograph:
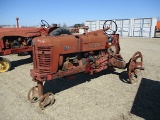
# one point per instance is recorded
(136, 57)
(138, 64)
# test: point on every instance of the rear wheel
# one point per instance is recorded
(5, 65)
(60, 31)
(135, 67)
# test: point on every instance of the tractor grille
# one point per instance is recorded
(44, 59)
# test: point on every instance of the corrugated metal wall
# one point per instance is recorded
(139, 27)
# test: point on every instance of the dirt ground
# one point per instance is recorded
(103, 96)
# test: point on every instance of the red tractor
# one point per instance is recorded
(18, 40)
(91, 52)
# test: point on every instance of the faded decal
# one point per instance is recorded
(95, 45)
(66, 47)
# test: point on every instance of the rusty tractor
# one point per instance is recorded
(18, 40)
(91, 52)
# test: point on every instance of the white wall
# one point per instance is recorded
(136, 27)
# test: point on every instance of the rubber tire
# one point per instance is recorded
(8, 61)
(60, 31)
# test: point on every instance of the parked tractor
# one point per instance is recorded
(18, 40)
(91, 52)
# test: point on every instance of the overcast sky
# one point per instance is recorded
(30, 12)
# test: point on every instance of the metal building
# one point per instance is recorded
(138, 27)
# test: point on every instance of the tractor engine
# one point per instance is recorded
(64, 55)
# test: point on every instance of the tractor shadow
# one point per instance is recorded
(147, 100)
(123, 76)
(21, 62)
(60, 84)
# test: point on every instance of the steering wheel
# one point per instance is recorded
(45, 23)
(112, 26)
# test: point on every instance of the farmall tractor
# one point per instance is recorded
(65, 55)
(18, 40)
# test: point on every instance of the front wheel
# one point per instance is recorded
(5, 65)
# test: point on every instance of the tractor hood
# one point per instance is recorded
(25, 32)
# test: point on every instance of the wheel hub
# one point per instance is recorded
(4, 66)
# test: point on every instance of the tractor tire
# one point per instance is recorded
(5, 65)
(60, 31)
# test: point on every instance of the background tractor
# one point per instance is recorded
(18, 40)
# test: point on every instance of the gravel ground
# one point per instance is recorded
(103, 96)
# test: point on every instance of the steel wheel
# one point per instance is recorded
(33, 94)
(135, 67)
(47, 100)
(5, 64)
